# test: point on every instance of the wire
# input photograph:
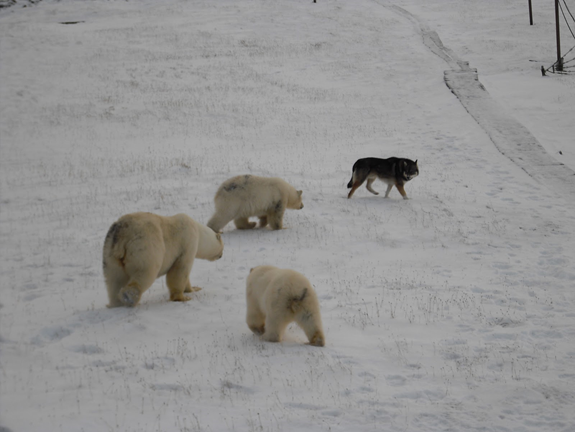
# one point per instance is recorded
(567, 7)
(569, 52)
(565, 18)
(552, 67)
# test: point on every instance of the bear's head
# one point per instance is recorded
(295, 201)
(211, 245)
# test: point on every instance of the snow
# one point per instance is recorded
(451, 311)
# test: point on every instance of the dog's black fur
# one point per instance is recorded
(392, 171)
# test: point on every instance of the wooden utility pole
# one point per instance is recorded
(559, 65)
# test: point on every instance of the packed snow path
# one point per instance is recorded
(509, 136)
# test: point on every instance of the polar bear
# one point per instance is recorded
(241, 197)
(276, 297)
(141, 247)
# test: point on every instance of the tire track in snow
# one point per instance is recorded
(510, 137)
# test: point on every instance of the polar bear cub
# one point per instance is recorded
(244, 196)
(141, 247)
(276, 297)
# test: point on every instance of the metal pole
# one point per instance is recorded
(559, 59)
(530, 13)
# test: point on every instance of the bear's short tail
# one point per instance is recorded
(114, 244)
(294, 303)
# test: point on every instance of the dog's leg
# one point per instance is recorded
(356, 185)
(401, 191)
(370, 181)
(358, 177)
(389, 186)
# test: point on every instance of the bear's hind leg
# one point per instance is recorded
(275, 328)
(114, 296)
(244, 223)
(256, 320)
(311, 325)
(317, 339)
(263, 221)
(143, 272)
(130, 295)
(115, 278)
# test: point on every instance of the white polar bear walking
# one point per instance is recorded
(141, 247)
(244, 196)
(276, 297)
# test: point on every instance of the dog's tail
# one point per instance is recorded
(356, 166)
(350, 184)
(294, 303)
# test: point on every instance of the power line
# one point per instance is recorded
(567, 7)
(565, 18)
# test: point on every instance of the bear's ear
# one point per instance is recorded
(252, 269)
(299, 192)
(219, 236)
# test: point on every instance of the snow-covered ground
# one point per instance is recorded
(454, 310)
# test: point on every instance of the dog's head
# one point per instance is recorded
(409, 169)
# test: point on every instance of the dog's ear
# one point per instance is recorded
(299, 192)
(403, 164)
(415, 161)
